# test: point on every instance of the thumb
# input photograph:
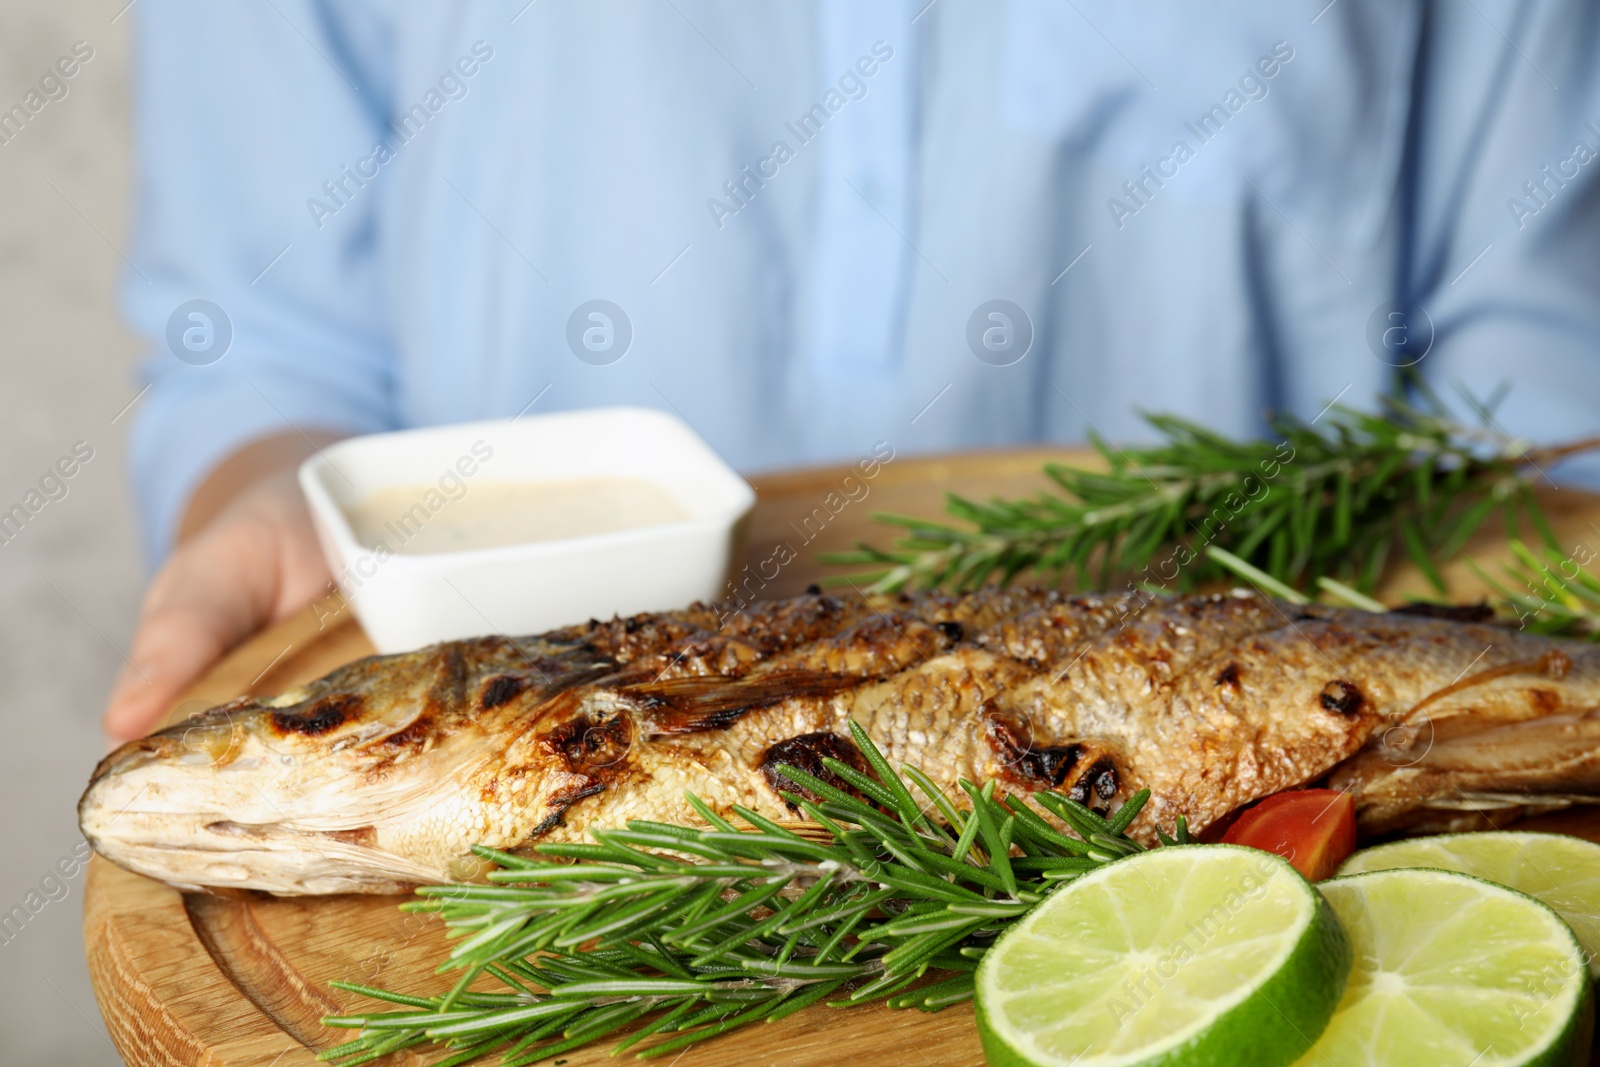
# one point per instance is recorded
(174, 646)
(213, 593)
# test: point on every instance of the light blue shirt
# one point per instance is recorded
(805, 212)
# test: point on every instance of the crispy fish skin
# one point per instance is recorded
(381, 774)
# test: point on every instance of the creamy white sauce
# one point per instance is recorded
(420, 519)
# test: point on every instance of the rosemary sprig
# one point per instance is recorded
(701, 931)
(1548, 591)
(1327, 499)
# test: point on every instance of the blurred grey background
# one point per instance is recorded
(70, 579)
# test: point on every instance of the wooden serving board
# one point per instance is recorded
(241, 981)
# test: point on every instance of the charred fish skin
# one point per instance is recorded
(383, 773)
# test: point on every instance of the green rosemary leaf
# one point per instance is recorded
(809, 971)
(483, 1022)
(920, 923)
(1422, 476)
(573, 850)
(382, 1048)
(661, 1022)
(1349, 596)
(948, 810)
(1114, 845)
(815, 814)
(885, 986)
(908, 857)
(923, 886)
(735, 908)
(1055, 863)
(1376, 559)
(857, 907)
(383, 994)
(685, 841)
(622, 917)
(554, 1025)
(705, 812)
(784, 842)
(906, 957)
(945, 865)
(470, 1053)
(766, 825)
(861, 782)
(1080, 818)
(1256, 576)
(1127, 813)
(349, 1048)
(715, 1030)
(554, 873)
(936, 995)
(504, 859)
(909, 812)
(1536, 517)
(845, 929)
(848, 806)
(471, 973)
(1032, 824)
(1417, 549)
(637, 987)
(803, 999)
(778, 918)
(1342, 509)
(992, 909)
(998, 851)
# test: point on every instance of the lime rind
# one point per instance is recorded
(1203, 955)
(1453, 969)
(1560, 870)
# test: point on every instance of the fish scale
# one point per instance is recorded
(383, 773)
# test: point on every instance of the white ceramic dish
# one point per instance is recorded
(406, 600)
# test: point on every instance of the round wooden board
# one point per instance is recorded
(241, 981)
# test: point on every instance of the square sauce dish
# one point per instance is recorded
(515, 526)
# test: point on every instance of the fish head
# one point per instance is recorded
(303, 792)
(295, 785)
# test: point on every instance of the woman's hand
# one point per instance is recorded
(247, 557)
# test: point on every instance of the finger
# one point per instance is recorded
(174, 646)
(212, 593)
(254, 565)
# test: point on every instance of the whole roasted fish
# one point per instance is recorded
(382, 774)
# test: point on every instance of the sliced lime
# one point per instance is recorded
(1562, 871)
(1453, 971)
(1200, 955)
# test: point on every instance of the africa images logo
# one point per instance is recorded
(599, 332)
(999, 333)
(199, 332)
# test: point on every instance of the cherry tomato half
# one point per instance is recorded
(1314, 829)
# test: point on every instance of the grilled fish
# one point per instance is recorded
(381, 774)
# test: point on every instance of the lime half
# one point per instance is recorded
(1205, 954)
(1454, 971)
(1562, 871)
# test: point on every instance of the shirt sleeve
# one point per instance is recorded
(248, 116)
(1505, 263)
